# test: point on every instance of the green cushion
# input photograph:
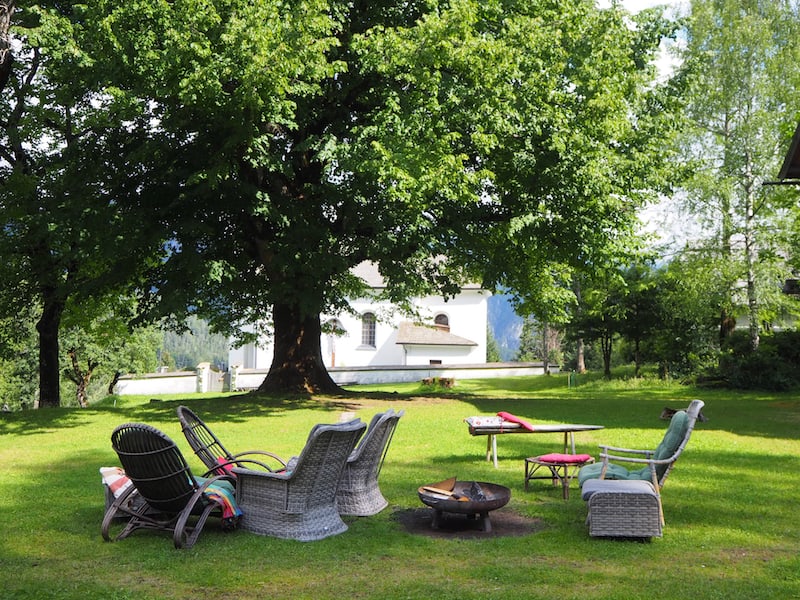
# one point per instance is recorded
(674, 436)
(672, 439)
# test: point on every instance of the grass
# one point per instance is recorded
(732, 529)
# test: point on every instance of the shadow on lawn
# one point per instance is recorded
(235, 409)
(537, 400)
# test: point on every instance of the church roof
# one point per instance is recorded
(369, 273)
(422, 335)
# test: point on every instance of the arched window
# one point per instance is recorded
(368, 329)
(442, 322)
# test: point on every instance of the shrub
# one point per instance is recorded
(774, 366)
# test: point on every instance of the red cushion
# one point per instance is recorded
(514, 419)
(227, 467)
(556, 457)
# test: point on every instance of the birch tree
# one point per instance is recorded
(741, 62)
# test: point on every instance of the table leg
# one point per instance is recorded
(494, 449)
(486, 524)
(437, 519)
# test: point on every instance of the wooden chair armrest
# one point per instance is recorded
(605, 449)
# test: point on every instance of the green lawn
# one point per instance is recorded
(732, 529)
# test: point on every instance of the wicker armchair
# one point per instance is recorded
(358, 493)
(214, 455)
(627, 503)
(655, 465)
(172, 495)
(300, 503)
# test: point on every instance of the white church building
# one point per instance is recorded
(452, 332)
(376, 343)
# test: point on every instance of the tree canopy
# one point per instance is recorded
(741, 68)
(72, 206)
(276, 145)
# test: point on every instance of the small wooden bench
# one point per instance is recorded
(562, 468)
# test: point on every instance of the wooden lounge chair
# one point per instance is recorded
(300, 503)
(358, 493)
(214, 455)
(174, 500)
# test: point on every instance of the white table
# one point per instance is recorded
(568, 429)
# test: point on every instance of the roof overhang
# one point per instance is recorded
(790, 171)
(409, 334)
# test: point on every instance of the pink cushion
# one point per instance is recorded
(227, 467)
(515, 419)
(556, 457)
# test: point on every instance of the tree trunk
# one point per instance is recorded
(297, 365)
(580, 359)
(545, 348)
(49, 374)
(7, 8)
(606, 345)
(81, 379)
(751, 258)
(114, 382)
(727, 325)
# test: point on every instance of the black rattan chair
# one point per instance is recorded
(214, 455)
(174, 500)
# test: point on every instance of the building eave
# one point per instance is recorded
(409, 334)
(790, 171)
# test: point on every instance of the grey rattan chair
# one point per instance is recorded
(214, 455)
(359, 493)
(159, 473)
(627, 503)
(655, 465)
(300, 503)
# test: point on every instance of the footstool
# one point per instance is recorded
(621, 508)
(562, 468)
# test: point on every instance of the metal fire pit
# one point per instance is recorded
(476, 499)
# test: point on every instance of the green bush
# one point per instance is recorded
(774, 366)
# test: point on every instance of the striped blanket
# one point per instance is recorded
(115, 479)
(221, 492)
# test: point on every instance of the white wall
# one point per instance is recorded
(202, 379)
(467, 315)
(247, 379)
(162, 383)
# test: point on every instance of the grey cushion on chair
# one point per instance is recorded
(613, 486)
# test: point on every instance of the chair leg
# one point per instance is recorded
(184, 535)
(657, 488)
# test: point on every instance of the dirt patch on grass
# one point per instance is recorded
(505, 522)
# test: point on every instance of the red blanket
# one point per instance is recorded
(514, 419)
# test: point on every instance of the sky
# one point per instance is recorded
(664, 220)
(637, 5)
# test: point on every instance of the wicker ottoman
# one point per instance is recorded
(628, 509)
